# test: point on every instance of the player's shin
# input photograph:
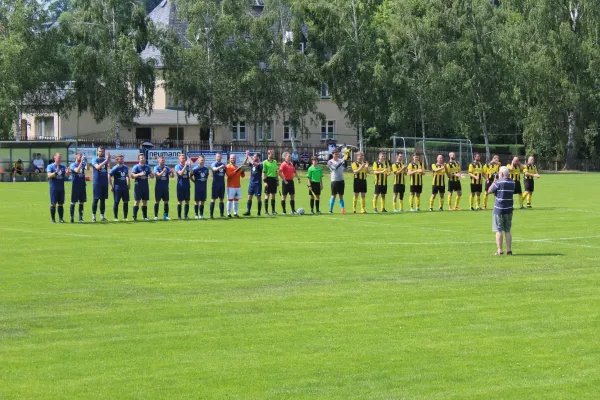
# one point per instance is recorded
(457, 201)
(260, 206)
(317, 203)
(166, 209)
(156, 210)
(235, 207)
(145, 212)
(72, 210)
(196, 209)
(418, 202)
(374, 203)
(312, 204)
(186, 210)
(485, 199)
(331, 203)
(125, 209)
(229, 206)
(53, 213)
(293, 205)
(179, 210)
(273, 203)
(362, 203)
(248, 206)
(201, 210)
(283, 205)
(411, 201)
(80, 210)
(354, 203)
(431, 201)
(212, 209)
(470, 201)
(116, 209)
(222, 208)
(94, 206)
(449, 201)
(135, 211)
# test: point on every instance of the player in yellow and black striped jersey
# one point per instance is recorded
(399, 170)
(381, 169)
(490, 173)
(454, 176)
(415, 171)
(515, 168)
(438, 185)
(476, 174)
(360, 169)
(530, 171)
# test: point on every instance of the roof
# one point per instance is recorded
(166, 117)
(164, 16)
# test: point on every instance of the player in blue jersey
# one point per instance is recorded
(218, 185)
(78, 187)
(200, 179)
(100, 182)
(255, 185)
(183, 170)
(119, 185)
(140, 173)
(57, 173)
(161, 190)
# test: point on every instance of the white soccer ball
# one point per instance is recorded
(301, 211)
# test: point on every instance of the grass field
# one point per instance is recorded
(332, 306)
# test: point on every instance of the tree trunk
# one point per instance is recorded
(211, 130)
(484, 130)
(117, 138)
(422, 112)
(359, 134)
(571, 140)
(18, 132)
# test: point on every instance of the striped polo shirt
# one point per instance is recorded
(504, 189)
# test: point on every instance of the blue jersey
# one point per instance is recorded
(184, 179)
(218, 176)
(101, 176)
(162, 182)
(141, 181)
(200, 175)
(78, 178)
(256, 173)
(58, 182)
(119, 173)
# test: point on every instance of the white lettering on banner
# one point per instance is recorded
(209, 156)
(171, 156)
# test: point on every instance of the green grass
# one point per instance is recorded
(355, 306)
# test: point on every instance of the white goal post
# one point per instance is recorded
(464, 147)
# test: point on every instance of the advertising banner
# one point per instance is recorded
(130, 155)
(209, 156)
(170, 155)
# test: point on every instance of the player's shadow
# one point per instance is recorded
(538, 255)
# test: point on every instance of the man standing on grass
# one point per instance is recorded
(183, 171)
(530, 171)
(271, 181)
(476, 174)
(100, 182)
(438, 185)
(453, 171)
(336, 166)
(399, 170)
(140, 173)
(255, 186)
(57, 173)
(161, 190)
(416, 172)
(119, 185)
(78, 186)
(490, 171)
(218, 186)
(315, 184)
(381, 170)
(360, 168)
(287, 171)
(234, 186)
(504, 189)
(515, 168)
(200, 178)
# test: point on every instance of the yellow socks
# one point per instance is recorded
(485, 197)
(401, 205)
(431, 202)
(441, 202)
(529, 199)
(521, 198)
(411, 201)
(354, 204)
(471, 201)
(394, 204)
(450, 201)
(477, 200)
(457, 201)
(418, 202)
(374, 203)
(362, 204)
(382, 202)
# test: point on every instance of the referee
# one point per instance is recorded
(270, 173)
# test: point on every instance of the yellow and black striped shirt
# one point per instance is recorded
(453, 168)
(399, 178)
(362, 175)
(381, 179)
(530, 168)
(476, 168)
(417, 178)
(491, 171)
(515, 172)
(439, 177)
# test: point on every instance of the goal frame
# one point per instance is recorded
(468, 146)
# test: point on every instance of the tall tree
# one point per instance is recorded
(111, 78)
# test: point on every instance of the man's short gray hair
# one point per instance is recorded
(504, 171)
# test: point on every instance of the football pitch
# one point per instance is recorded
(333, 306)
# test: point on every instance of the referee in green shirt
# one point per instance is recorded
(315, 184)
(271, 180)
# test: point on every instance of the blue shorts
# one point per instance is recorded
(218, 192)
(183, 193)
(200, 193)
(140, 193)
(121, 193)
(255, 189)
(100, 191)
(161, 194)
(79, 195)
(57, 196)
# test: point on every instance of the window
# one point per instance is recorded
(265, 131)
(176, 133)
(327, 130)
(287, 131)
(325, 92)
(23, 129)
(44, 126)
(143, 134)
(238, 131)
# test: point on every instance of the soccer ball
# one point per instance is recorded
(301, 211)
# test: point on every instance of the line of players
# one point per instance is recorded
(265, 174)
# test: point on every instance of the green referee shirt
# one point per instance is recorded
(270, 168)
(315, 174)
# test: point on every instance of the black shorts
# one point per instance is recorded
(488, 184)
(400, 188)
(416, 189)
(360, 185)
(518, 187)
(288, 188)
(380, 189)
(454, 186)
(316, 188)
(528, 183)
(271, 186)
(337, 188)
(438, 189)
(17, 171)
(476, 188)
